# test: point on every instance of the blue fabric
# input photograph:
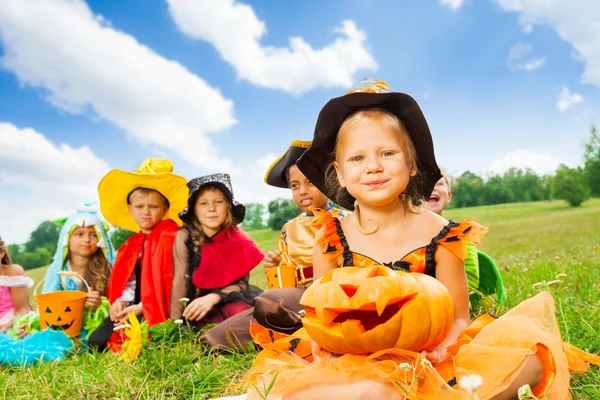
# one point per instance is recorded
(47, 345)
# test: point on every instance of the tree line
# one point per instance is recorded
(574, 185)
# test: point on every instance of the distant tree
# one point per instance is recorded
(118, 236)
(34, 259)
(468, 190)
(495, 191)
(570, 185)
(545, 187)
(45, 235)
(255, 213)
(14, 251)
(281, 211)
(591, 159)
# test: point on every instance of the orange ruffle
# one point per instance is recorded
(330, 240)
(459, 236)
(494, 349)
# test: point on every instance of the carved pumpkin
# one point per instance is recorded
(364, 310)
(62, 310)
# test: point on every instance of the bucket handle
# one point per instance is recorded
(62, 273)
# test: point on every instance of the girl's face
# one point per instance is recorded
(440, 197)
(372, 164)
(83, 241)
(305, 193)
(212, 209)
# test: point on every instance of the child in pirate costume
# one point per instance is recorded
(212, 257)
(147, 202)
(278, 309)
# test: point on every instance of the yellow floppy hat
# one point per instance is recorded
(153, 173)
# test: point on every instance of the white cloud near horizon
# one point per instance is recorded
(566, 99)
(540, 163)
(41, 181)
(83, 65)
(520, 57)
(453, 4)
(235, 31)
(575, 21)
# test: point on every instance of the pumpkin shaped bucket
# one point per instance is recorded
(283, 276)
(63, 309)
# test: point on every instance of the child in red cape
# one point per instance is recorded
(212, 256)
(142, 274)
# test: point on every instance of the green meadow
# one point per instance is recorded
(530, 242)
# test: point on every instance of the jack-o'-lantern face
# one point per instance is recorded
(59, 319)
(62, 310)
(364, 310)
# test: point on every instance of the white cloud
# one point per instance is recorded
(83, 65)
(250, 186)
(567, 100)
(519, 57)
(453, 4)
(534, 64)
(235, 31)
(540, 163)
(576, 22)
(41, 181)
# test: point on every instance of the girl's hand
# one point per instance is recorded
(4, 328)
(436, 356)
(93, 300)
(116, 309)
(22, 331)
(272, 259)
(319, 352)
(134, 308)
(199, 307)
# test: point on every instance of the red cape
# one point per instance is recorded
(157, 270)
(227, 257)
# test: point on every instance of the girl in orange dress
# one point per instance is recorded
(372, 152)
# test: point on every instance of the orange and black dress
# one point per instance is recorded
(494, 349)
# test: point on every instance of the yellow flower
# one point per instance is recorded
(132, 347)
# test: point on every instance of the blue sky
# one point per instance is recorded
(222, 86)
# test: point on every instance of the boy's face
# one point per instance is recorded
(305, 193)
(440, 197)
(147, 209)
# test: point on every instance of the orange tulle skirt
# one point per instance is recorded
(494, 349)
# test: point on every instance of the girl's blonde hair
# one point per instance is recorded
(446, 178)
(195, 226)
(410, 197)
(5, 258)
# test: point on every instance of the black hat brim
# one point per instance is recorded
(277, 174)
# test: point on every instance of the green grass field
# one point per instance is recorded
(530, 243)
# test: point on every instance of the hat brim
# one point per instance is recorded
(238, 210)
(314, 162)
(114, 188)
(276, 174)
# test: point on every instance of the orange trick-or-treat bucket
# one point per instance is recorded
(62, 310)
(281, 277)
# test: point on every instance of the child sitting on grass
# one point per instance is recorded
(14, 290)
(146, 202)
